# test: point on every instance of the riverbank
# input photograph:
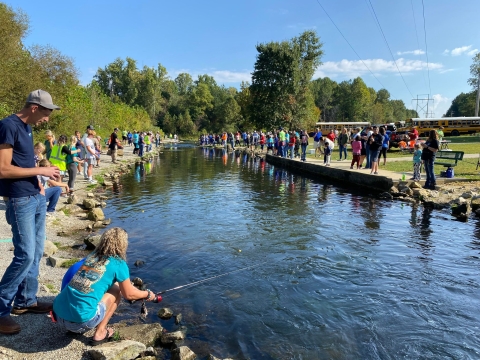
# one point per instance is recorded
(40, 338)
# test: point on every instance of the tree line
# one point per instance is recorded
(281, 92)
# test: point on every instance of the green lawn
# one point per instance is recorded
(465, 168)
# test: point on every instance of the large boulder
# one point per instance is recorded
(461, 211)
(118, 350)
(415, 185)
(183, 353)
(475, 203)
(171, 337)
(145, 333)
(89, 203)
(92, 241)
(49, 248)
(96, 214)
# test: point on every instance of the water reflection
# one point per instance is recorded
(342, 273)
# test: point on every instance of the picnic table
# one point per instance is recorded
(444, 144)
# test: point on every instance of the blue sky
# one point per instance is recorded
(219, 37)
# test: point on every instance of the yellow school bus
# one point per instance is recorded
(452, 126)
(325, 127)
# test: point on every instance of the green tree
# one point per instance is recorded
(280, 80)
(462, 105)
(323, 90)
(184, 83)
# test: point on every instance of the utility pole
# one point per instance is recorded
(424, 105)
(478, 95)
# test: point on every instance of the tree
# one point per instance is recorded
(280, 80)
(462, 105)
(323, 90)
(184, 83)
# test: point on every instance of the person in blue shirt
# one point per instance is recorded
(385, 146)
(25, 209)
(93, 293)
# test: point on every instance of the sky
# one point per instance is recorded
(218, 37)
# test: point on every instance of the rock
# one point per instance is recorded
(107, 222)
(102, 204)
(103, 197)
(386, 195)
(119, 350)
(106, 175)
(98, 224)
(393, 190)
(475, 203)
(137, 282)
(71, 199)
(420, 193)
(96, 214)
(211, 357)
(178, 319)
(139, 263)
(89, 203)
(466, 195)
(145, 333)
(107, 182)
(407, 191)
(89, 227)
(49, 248)
(92, 241)
(56, 262)
(90, 195)
(165, 313)
(461, 200)
(183, 353)
(461, 210)
(415, 185)
(171, 337)
(150, 351)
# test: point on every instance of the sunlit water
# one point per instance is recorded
(340, 275)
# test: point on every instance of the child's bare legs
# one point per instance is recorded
(111, 299)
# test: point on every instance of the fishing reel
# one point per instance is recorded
(157, 299)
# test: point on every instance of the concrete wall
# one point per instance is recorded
(347, 178)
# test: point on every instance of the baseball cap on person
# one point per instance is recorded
(90, 127)
(42, 98)
(116, 129)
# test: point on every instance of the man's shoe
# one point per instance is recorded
(38, 308)
(8, 325)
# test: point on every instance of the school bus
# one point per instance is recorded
(325, 127)
(452, 126)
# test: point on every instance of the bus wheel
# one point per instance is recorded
(455, 133)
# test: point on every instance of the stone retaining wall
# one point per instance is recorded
(347, 178)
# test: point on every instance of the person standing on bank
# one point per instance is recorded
(430, 148)
(113, 145)
(25, 209)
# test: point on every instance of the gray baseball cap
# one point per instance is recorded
(42, 98)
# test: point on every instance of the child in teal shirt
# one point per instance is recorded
(417, 162)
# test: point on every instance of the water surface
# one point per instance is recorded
(341, 274)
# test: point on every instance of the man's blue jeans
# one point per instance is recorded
(292, 150)
(140, 151)
(52, 194)
(26, 216)
(367, 153)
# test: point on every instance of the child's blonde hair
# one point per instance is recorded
(44, 163)
(40, 146)
(417, 146)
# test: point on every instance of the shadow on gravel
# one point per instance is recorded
(39, 334)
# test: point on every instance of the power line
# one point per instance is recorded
(388, 46)
(426, 47)
(418, 41)
(333, 22)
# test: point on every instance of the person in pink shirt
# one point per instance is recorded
(356, 150)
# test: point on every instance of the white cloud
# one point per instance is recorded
(355, 68)
(446, 52)
(226, 76)
(463, 50)
(440, 104)
(413, 52)
(472, 52)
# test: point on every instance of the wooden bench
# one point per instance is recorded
(453, 156)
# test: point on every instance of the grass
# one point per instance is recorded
(464, 169)
(57, 244)
(116, 336)
(69, 263)
(67, 212)
(52, 288)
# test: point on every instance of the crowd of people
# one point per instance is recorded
(31, 175)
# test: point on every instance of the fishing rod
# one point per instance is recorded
(158, 296)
